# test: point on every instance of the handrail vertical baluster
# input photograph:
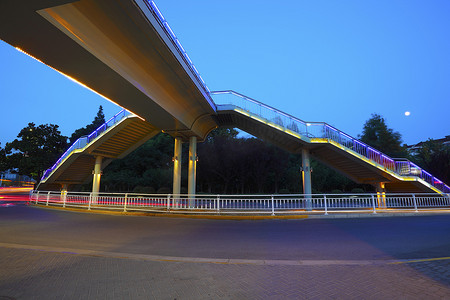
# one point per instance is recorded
(273, 208)
(373, 205)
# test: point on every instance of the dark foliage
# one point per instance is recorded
(148, 166)
(3, 160)
(226, 165)
(377, 134)
(434, 157)
(98, 121)
(36, 149)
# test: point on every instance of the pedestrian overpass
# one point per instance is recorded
(125, 51)
(351, 157)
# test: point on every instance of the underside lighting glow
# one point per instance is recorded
(76, 81)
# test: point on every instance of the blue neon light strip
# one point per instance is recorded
(85, 140)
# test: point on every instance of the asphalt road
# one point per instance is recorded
(315, 239)
(54, 254)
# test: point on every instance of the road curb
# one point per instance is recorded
(176, 215)
(293, 216)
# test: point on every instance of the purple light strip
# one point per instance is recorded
(382, 155)
(73, 146)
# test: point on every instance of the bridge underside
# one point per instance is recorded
(345, 161)
(119, 50)
(117, 142)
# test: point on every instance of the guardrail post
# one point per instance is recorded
(168, 202)
(273, 207)
(325, 201)
(48, 196)
(373, 204)
(217, 203)
(125, 203)
(415, 202)
(90, 201)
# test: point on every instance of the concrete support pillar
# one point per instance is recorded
(306, 177)
(381, 194)
(177, 167)
(97, 175)
(192, 169)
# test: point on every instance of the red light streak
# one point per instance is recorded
(14, 194)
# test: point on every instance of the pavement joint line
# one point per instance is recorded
(410, 261)
(223, 261)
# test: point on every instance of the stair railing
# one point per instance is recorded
(83, 141)
(401, 167)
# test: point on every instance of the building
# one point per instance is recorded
(414, 149)
(8, 178)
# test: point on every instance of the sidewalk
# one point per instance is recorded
(29, 274)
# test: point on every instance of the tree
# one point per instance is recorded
(434, 157)
(227, 133)
(98, 121)
(36, 150)
(377, 134)
(326, 179)
(147, 166)
(3, 160)
(227, 164)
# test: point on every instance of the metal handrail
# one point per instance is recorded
(275, 204)
(85, 140)
(402, 167)
(176, 42)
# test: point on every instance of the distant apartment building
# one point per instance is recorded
(414, 149)
(9, 178)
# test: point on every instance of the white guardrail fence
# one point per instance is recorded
(241, 204)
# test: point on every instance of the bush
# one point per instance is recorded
(164, 190)
(357, 190)
(144, 189)
(138, 189)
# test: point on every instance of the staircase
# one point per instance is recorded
(353, 158)
(116, 138)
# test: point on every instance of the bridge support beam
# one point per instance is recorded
(97, 175)
(306, 177)
(192, 169)
(381, 195)
(177, 167)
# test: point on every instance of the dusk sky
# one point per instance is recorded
(331, 61)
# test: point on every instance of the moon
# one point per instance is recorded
(407, 113)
